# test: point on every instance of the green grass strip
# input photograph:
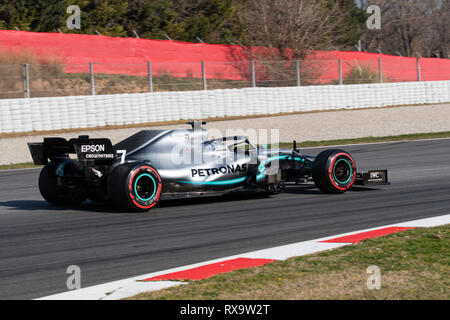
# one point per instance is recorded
(404, 137)
(24, 165)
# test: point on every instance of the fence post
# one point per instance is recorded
(419, 75)
(297, 72)
(380, 71)
(150, 76)
(91, 72)
(252, 70)
(27, 80)
(204, 76)
(340, 71)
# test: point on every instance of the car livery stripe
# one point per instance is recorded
(262, 165)
(216, 183)
(261, 168)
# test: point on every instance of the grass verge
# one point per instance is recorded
(306, 144)
(18, 166)
(414, 264)
(404, 137)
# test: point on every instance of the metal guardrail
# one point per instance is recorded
(107, 78)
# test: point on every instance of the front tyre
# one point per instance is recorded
(134, 187)
(334, 171)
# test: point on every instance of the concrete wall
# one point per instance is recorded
(37, 114)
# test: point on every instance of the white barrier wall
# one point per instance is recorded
(38, 114)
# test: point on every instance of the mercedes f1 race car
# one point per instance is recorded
(154, 165)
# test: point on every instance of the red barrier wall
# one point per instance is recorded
(394, 68)
(129, 56)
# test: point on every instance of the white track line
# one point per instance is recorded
(129, 287)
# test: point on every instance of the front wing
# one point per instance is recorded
(372, 177)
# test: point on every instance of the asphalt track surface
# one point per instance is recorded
(38, 242)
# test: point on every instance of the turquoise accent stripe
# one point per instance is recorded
(261, 169)
(154, 187)
(262, 165)
(216, 183)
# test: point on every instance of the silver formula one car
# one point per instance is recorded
(155, 165)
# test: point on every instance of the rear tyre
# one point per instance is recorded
(134, 187)
(334, 171)
(50, 190)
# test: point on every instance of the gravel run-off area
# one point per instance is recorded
(301, 127)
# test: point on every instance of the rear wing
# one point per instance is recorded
(58, 149)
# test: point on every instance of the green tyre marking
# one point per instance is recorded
(154, 187)
(349, 176)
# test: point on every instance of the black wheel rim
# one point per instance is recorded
(145, 187)
(342, 171)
